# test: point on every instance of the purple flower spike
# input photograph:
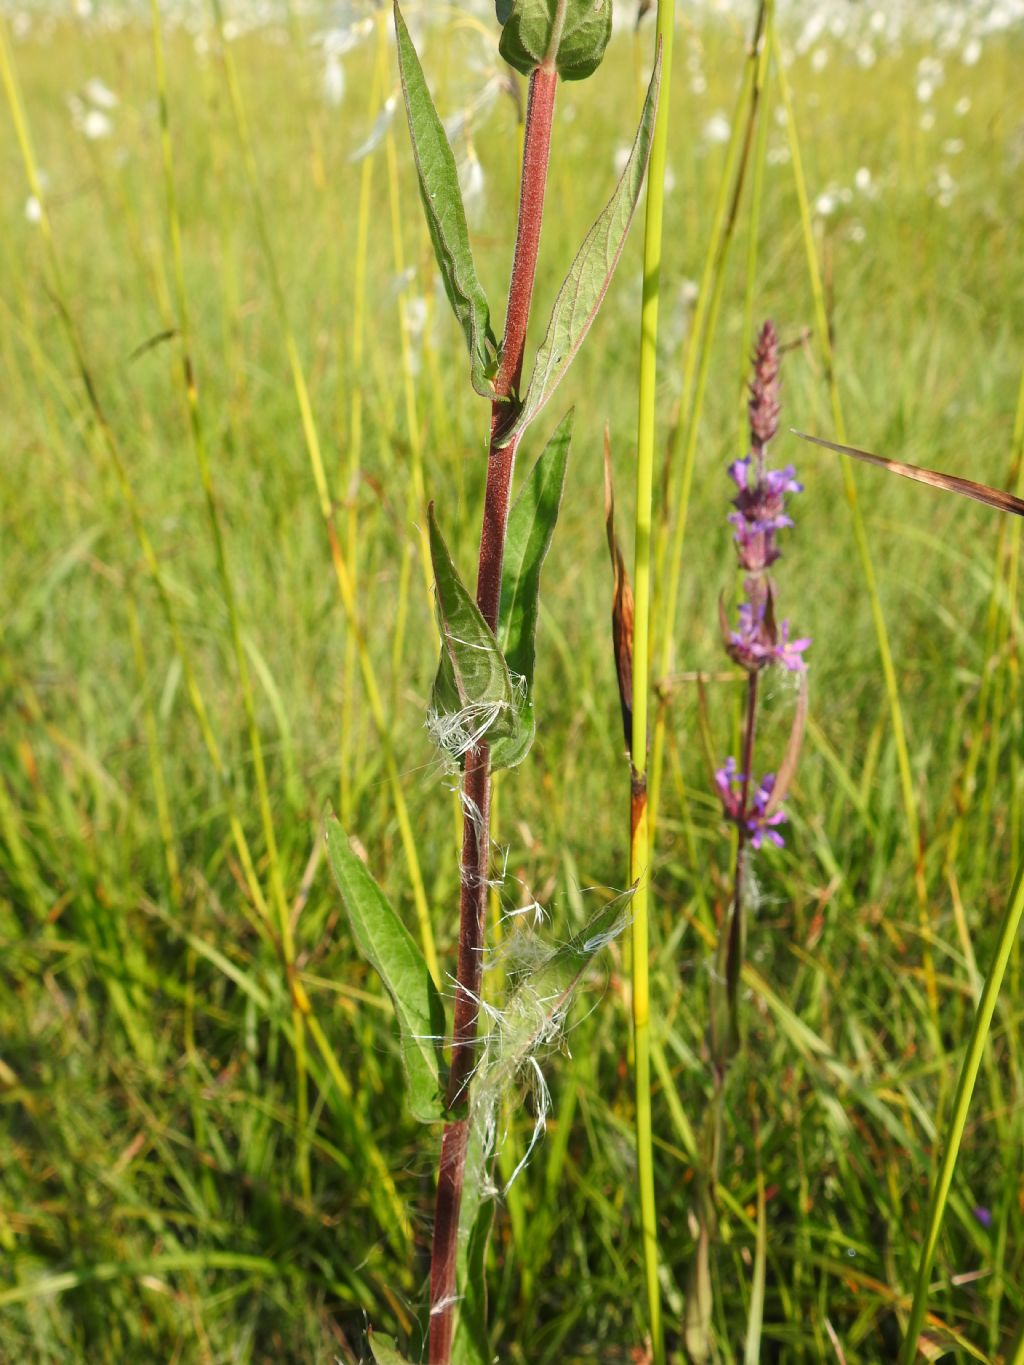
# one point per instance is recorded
(764, 404)
(759, 514)
(983, 1215)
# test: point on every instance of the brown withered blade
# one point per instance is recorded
(622, 601)
(787, 768)
(949, 483)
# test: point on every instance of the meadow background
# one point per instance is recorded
(163, 1196)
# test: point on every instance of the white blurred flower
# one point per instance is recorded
(21, 24)
(778, 156)
(33, 210)
(866, 56)
(962, 106)
(819, 60)
(345, 36)
(825, 204)
(416, 310)
(96, 124)
(931, 69)
(927, 121)
(953, 146)
(99, 94)
(620, 157)
(944, 182)
(698, 83)
(925, 91)
(878, 21)
(83, 8)
(334, 80)
(717, 129)
(862, 180)
(856, 233)
(972, 52)
(231, 30)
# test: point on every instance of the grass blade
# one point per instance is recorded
(952, 1138)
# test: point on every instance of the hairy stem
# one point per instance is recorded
(477, 779)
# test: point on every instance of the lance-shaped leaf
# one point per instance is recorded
(392, 952)
(586, 284)
(531, 524)
(446, 216)
(571, 33)
(473, 697)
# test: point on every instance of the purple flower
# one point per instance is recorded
(983, 1215)
(756, 641)
(726, 778)
(789, 653)
(761, 825)
(756, 822)
(760, 511)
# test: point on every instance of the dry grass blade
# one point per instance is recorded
(787, 767)
(949, 483)
(622, 601)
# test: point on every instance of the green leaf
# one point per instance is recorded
(572, 33)
(531, 524)
(390, 949)
(586, 284)
(473, 694)
(446, 216)
(384, 1351)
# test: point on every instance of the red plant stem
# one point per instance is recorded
(477, 780)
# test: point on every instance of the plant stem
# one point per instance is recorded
(477, 780)
(639, 844)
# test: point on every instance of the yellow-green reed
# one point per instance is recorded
(640, 850)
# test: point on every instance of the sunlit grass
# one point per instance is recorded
(149, 1201)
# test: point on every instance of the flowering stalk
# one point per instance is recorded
(757, 641)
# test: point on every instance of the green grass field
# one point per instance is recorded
(164, 1196)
